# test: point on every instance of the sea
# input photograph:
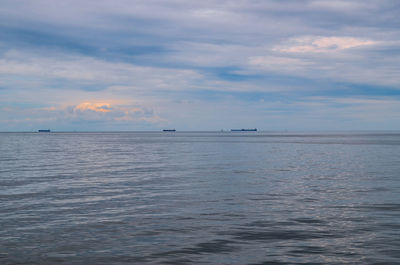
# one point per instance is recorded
(200, 198)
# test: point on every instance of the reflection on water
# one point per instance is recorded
(199, 198)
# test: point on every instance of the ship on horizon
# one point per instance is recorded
(169, 130)
(48, 130)
(244, 130)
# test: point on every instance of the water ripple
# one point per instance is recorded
(199, 198)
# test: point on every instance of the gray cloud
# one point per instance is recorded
(70, 52)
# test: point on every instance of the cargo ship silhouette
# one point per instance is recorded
(244, 130)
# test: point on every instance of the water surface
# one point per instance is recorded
(200, 198)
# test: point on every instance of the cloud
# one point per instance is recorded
(100, 114)
(323, 44)
(104, 111)
(135, 63)
(96, 107)
(337, 59)
(338, 5)
(88, 70)
(280, 64)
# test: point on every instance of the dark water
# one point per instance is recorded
(199, 198)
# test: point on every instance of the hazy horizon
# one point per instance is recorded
(244, 133)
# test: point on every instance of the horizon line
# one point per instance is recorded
(186, 131)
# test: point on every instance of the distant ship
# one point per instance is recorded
(48, 130)
(169, 130)
(244, 130)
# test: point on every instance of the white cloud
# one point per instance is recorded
(99, 111)
(337, 59)
(95, 71)
(339, 5)
(280, 64)
(322, 44)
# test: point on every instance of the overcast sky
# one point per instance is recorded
(199, 65)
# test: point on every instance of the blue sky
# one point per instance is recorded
(199, 65)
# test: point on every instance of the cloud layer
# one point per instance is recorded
(197, 65)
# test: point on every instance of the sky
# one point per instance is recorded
(275, 65)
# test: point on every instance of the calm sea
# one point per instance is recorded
(200, 198)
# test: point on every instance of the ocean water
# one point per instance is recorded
(200, 198)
